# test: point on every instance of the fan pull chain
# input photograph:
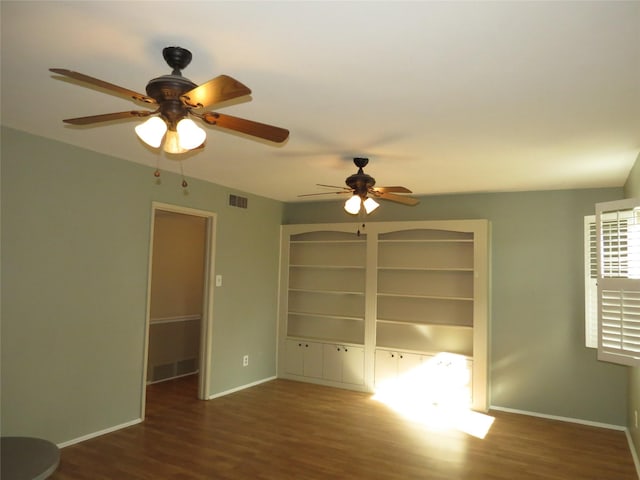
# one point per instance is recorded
(157, 172)
(184, 182)
(156, 176)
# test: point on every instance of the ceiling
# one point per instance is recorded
(443, 97)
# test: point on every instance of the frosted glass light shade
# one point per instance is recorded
(352, 205)
(172, 143)
(190, 135)
(370, 205)
(151, 131)
(187, 135)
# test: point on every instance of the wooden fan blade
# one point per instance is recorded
(392, 189)
(110, 87)
(397, 198)
(322, 193)
(217, 90)
(260, 130)
(334, 186)
(106, 117)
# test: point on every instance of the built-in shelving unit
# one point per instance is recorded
(425, 290)
(325, 288)
(402, 293)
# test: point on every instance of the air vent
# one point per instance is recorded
(238, 201)
(174, 370)
(184, 367)
(163, 372)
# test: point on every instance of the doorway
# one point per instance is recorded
(179, 297)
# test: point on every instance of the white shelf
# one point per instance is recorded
(427, 269)
(424, 338)
(328, 267)
(335, 341)
(441, 240)
(389, 321)
(425, 323)
(328, 292)
(426, 297)
(325, 242)
(326, 315)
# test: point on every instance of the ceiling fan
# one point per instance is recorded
(362, 188)
(175, 98)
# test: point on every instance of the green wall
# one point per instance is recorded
(75, 238)
(631, 190)
(75, 244)
(538, 361)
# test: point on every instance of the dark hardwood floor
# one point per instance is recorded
(284, 430)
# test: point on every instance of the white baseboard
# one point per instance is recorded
(101, 432)
(173, 378)
(589, 423)
(634, 454)
(139, 420)
(241, 387)
(581, 422)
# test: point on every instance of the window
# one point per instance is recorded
(618, 264)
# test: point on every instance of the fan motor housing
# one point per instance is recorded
(166, 90)
(360, 182)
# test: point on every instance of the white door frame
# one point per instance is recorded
(207, 306)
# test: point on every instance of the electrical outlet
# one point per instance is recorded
(245, 360)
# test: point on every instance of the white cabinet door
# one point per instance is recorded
(392, 365)
(343, 363)
(386, 367)
(353, 365)
(304, 358)
(294, 363)
(407, 363)
(332, 362)
(312, 359)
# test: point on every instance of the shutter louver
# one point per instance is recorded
(590, 282)
(592, 248)
(617, 232)
(615, 262)
(621, 321)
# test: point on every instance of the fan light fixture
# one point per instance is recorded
(370, 205)
(185, 137)
(361, 185)
(355, 203)
(174, 98)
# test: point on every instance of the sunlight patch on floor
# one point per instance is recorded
(436, 395)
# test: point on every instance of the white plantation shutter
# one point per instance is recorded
(590, 282)
(618, 249)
